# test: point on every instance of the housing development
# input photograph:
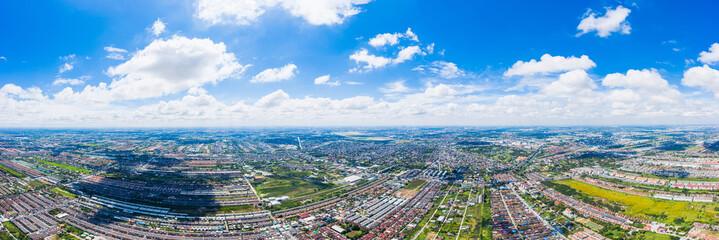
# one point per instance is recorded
(359, 120)
(369, 183)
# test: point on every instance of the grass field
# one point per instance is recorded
(414, 184)
(14, 230)
(63, 192)
(277, 187)
(36, 184)
(670, 212)
(497, 152)
(11, 172)
(651, 236)
(71, 168)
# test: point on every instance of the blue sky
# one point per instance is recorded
(357, 62)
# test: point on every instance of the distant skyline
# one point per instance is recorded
(223, 63)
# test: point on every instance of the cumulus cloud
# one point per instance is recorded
(65, 67)
(362, 57)
(367, 62)
(164, 67)
(647, 81)
(68, 65)
(576, 82)
(384, 39)
(441, 90)
(391, 39)
(440, 104)
(407, 54)
(200, 106)
(12, 90)
(158, 27)
(710, 57)
(614, 20)
(115, 53)
(394, 87)
(275, 74)
(70, 81)
(273, 99)
(325, 80)
(548, 64)
(703, 77)
(244, 12)
(623, 95)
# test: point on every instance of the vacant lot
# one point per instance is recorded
(277, 187)
(71, 168)
(404, 193)
(496, 152)
(63, 192)
(670, 212)
(415, 184)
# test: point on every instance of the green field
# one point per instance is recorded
(63, 192)
(496, 152)
(414, 184)
(11, 172)
(670, 212)
(14, 230)
(71, 168)
(278, 187)
(36, 184)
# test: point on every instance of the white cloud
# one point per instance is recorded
(12, 90)
(325, 79)
(410, 35)
(164, 67)
(241, 12)
(446, 70)
(65, 67)
(3, 58)
(648, 82)
(407, 54)
(244, 12)
(370, 61)
(384, 39)
(115, 53)
(196, 91)
(441, 90)
(158, 27)
(275, 74)
(114, 49)
(68, 65)
(613, 21)
(273, 99)
(70, 81)
(623, 95)
(703, 77)
(324, 12)
(710, 57)
(200, 106)
(440, 104)
(548, 64)
(394, 87)
(391, 39)
(430, 48)
(68, 57)
(576, 82)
